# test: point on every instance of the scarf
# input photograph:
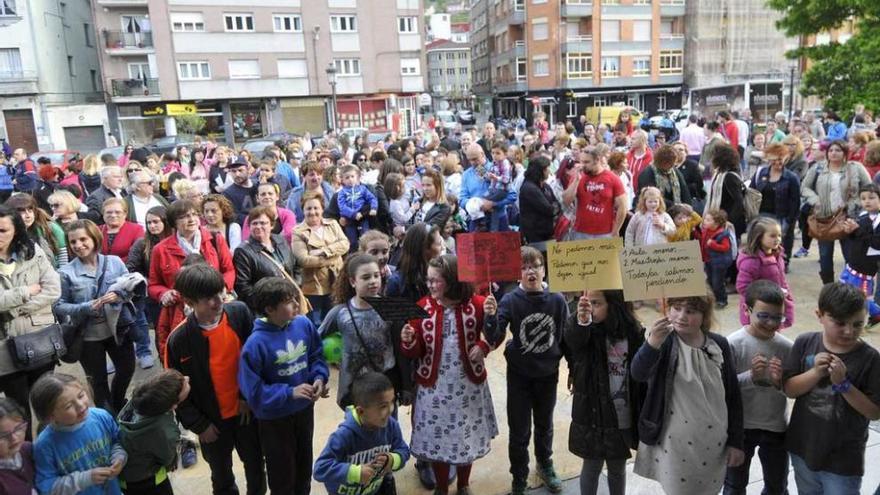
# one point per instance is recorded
(667, 181)
(715, 192)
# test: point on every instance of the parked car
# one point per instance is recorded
(59, 158)
(446, 119)
(168, 144)
(466, 117)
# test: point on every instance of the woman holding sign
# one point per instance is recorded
(691, 425)
(453, 417)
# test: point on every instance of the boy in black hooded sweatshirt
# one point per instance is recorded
(537, 319)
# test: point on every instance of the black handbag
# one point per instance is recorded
(38, 349)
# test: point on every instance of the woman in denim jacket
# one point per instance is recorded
(86, 301)
(780, 193)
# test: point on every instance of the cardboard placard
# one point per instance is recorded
(397, 308)
(489, 257)
(590, 264)
(663, 270)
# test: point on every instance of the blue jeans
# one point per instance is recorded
(483, 224)
(811, 482)
(826, 258)
(141, 335)
(716, 275)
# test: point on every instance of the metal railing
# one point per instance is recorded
(580, 38)
(578, 2)
(124, 40)
(135, 87)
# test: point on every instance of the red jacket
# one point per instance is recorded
(128, 233)
(165, 263)
(707, 242)
(427, 346)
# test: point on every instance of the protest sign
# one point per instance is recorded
(663, 270)
(397, 308)
(577, 265)
(488, 257)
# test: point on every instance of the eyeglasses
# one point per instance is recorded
(260, 223)
(770, 317)
(19, 429)
(532, 268)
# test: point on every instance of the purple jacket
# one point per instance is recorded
(753, 267)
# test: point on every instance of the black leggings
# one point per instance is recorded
(94, 362)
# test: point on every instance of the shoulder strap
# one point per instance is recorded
(278, 265)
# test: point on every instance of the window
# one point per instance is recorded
(193, 71)
(610, 66)
(842, 38)
(610, 30)
(600, 101)
(182, 22)
(348, 67)
(409, 67)
(636, 100)
(87, 32)
(139, 70)
(244, 69)
(407, 25)
(578, 65)
(541, 66)
(661, 103)
(292, 68)
(823, 39)
(539, 29)
(93, 77)
(239, 22)
(641, 30)
(642, 2)
(10, 63)
(287, 23)
(71, 66)
(462, 70)
(671, 61)
(450, 71)
(7, 8)
(667, 28)
(641, 66)
(343, 24)
(572, 108)
(521, 69)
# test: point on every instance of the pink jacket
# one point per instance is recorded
(285, 216)
(753, 267)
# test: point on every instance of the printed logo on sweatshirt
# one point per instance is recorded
(293, 353)
(536, 333)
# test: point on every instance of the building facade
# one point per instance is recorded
(50, 82)
(562, 57)
(237, 70)
(449, 74)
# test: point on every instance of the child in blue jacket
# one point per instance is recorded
(281, 374)
(360, 456)
(356, 202)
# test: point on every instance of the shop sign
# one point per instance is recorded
(152, 110)
(181, 108)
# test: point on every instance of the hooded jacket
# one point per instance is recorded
(276, 360)
(352, 445)
(536, 320)
(151, 443)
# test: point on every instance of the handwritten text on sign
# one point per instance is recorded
(663, 270)
(489, 257)
(578, 265)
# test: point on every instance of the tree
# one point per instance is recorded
(190, 124)
(842, 74)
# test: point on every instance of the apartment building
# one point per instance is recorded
(241, 69)
(50, 84)
(449, 74)
(561, 57)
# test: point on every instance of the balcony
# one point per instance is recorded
(18, 82)
(577, 8)
(516, 17)
(122, 3)
(582, 43)
(128, 90)
(672, 8)
(517, 86)
(123, 43)
(518, 50)
(672, 41)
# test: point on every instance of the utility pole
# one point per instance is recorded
(791, 95)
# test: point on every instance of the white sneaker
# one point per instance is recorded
(146, 362)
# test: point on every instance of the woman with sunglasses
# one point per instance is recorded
(42, 230)
(65, 207)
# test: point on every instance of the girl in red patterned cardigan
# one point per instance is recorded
(453, 418)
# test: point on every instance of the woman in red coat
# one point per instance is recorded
(188, 237)
(119, 234)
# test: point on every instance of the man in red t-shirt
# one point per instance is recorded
(729, 129)
(601, 199)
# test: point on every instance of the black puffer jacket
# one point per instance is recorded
(252, 263)
(538, 210)
(594, 432)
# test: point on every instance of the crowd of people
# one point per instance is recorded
(257, 274)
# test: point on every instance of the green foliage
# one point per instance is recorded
(842, 74)
(189, 124)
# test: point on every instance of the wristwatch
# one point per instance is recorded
(842, 387)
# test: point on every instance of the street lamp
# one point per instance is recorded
(331, 78)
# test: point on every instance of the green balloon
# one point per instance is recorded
(333, 349)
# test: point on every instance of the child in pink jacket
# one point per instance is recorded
(762, 259)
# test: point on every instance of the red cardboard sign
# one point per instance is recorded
(489, 257)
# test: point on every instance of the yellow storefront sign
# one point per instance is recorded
(181, 108)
